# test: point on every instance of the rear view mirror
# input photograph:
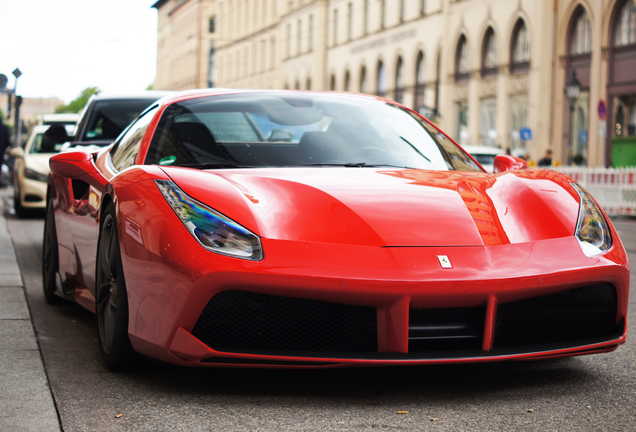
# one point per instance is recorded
(507, 163)
(77, 166)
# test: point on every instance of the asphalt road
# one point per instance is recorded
(590, 393)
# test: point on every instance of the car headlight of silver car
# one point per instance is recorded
(34, 175)
(592, 230)
(214, 231)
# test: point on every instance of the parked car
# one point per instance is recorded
(31, 166)
(64, 119)
(301, 229)
(484, 155)
(105, 116)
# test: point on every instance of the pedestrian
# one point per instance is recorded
(547, 159)
(4, 142)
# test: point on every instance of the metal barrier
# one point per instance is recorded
(613, 188)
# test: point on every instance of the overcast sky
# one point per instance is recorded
(64, 46)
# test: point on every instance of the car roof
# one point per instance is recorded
(148, 94)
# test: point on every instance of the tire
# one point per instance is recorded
(50, 256)
(111, 299)
(17, 203)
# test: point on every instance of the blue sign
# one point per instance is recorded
(602, 109)
(525, 133)
(583, 136)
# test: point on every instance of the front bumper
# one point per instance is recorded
(410, 307)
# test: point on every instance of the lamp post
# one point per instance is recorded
(18, 127)
(572, 91)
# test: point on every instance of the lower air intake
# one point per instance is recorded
(247, 321)
(573, 315)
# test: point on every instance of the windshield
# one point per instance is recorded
(109, 118)
(286, 129)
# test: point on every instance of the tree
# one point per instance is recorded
(77, 104)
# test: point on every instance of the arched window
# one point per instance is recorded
(382, 87)
(520, 53)
(332, 85)
(462, 60)
(626, 25)
(420, 82)
(347, 81)
(399, 81)
(363, 80)
(489, 54)
(308, 83)
(581, 37)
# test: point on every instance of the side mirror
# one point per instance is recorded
(507, 163)
(77, 165)
(16, 152)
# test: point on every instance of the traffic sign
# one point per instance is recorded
(525, 133)
(602, 109)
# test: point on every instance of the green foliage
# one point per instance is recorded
(77, 104)
(150, 87)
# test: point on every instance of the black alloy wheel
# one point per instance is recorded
(111, 300)
(50, 257)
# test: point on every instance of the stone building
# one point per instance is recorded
(185, 44)
(489, 72)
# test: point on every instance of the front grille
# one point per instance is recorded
(568, 316)
(446, 329)
(247, 321)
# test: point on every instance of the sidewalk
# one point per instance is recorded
(26, 403)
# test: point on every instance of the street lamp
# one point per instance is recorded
(572, 90)
(18, 101)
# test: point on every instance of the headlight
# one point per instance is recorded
(592, 230)
(34, 175)
(214, 231)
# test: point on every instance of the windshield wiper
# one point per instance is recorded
(210, 165)
(415, 148)
(351, 165)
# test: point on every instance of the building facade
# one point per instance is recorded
(186, 33)
(489, 72)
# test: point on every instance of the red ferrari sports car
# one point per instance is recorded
(306, 229)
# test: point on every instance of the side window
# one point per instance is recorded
(125, 150)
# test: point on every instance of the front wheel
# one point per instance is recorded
(50, 257)
(111, 299)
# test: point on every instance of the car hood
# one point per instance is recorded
(38, 162)
(389, 208)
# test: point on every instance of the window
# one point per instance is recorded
(402, 10)
(422, 7)
(399, 81)
(125, 150)
(299, 42)
(350, 22)
(289, 31)
(272, 53)
(581, 42)
(520, 55)
(420, 81)
(462, 65)
(309, 83)
(347, 82)
(365, 17)
(212, 24)
(211, 68)
(311, 33)
(382, 87)
(335, 27)
(382, 13)
(332, 85)
(626, 25)
(363, 80)
(489, 54)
